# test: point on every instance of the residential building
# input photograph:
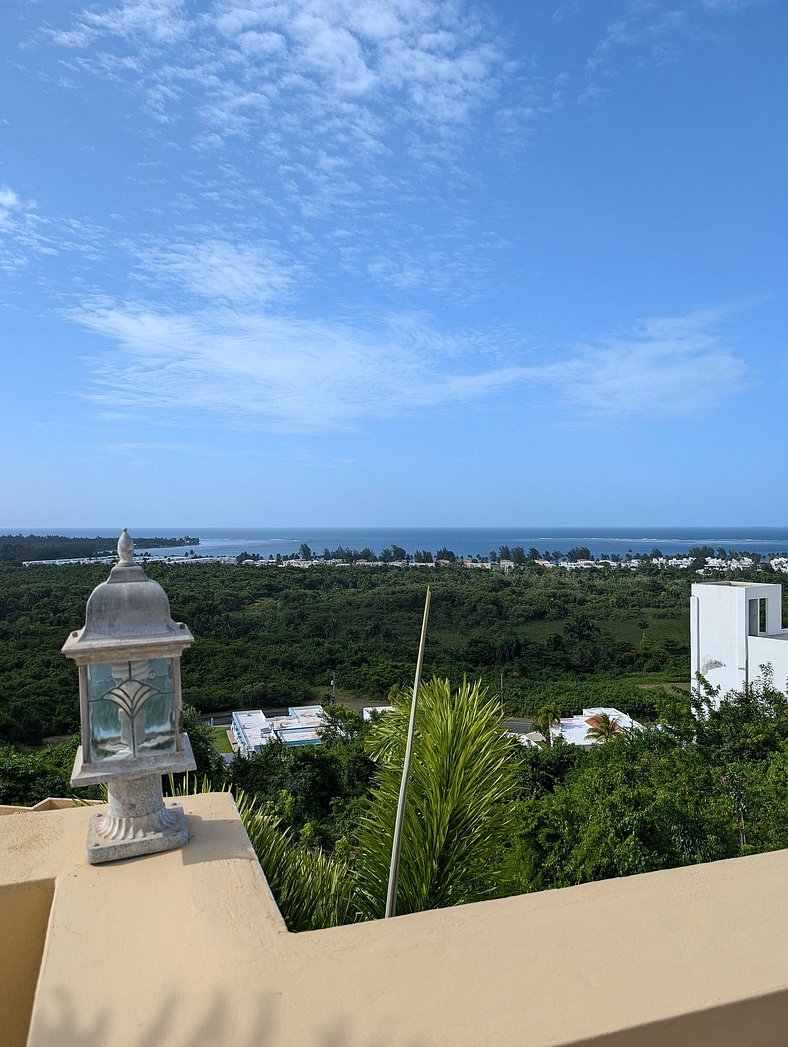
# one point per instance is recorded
(575, 729)
(253, 729)
(735, 628)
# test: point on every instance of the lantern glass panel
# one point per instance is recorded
(130, 709)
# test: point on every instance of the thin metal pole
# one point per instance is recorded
(396, 845)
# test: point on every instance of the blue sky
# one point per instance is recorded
(393, 262)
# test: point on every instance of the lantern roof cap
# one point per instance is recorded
(128, 609)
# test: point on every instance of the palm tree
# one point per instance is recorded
(312, 889)
(548, 715)
(458, 815)
(604, 728)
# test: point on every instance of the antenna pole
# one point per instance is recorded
(391, 896)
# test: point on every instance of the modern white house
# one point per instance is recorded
(253, 730)
(575, 729)
(735, 628)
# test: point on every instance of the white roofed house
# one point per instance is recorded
(578, 730)
(251, 729)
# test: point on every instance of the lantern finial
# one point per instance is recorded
(128, 653)
(125, 547)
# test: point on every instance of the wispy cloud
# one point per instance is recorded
(221, 270)
(645, 25)
(17, 232)
(339, 71)
(341, 113)
(275, 373)
(310, 376)
(27, 235)
(663, 367)
(651, 32)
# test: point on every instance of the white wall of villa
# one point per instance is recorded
(735, 628)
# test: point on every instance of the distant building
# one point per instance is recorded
(301, 726)
(369, 710)
(253, 729)
(575, 729)
(735, 628)
(534, 739)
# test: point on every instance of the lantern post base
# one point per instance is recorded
(136, 822)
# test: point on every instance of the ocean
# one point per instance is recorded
(464, 541)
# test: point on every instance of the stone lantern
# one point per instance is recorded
(128, 653)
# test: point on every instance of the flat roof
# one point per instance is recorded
(254, 728)
(297, 735)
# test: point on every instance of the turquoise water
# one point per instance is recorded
(268, 541)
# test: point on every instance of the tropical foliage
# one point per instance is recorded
(458, 817)
(312, 889)
(458, 814)
(269, 637)
(700, 787)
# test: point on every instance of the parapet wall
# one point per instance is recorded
(188, 947)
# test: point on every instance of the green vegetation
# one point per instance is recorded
(268, 637)
(458, 818)
(458, 815)
(489, 819)
(28, 776)
(549, 642)
(15, 548)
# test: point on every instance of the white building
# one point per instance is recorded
(574, 729)
(735, 628)
(371, 710)
(253, 730)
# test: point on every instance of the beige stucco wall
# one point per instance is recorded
(188, 947)
(24, 916)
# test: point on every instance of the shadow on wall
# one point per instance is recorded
(219, 1023)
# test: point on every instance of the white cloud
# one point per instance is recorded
(221, 270)
(330, 68)
(162, 22)
(342, 113)
(257, 370)
(26, 235)
(9, 201)
(273, 372)
(653, 33)
(665, 366)
(20, 231)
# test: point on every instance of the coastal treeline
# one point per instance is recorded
(17, 548)
(513, 556)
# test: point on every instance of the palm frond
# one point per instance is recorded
(458, 814)
(312, 889)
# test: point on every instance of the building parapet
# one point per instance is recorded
(695, 955)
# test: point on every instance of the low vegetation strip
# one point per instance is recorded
(17, 548)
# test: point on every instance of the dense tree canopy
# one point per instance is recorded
(691, 788)
(268, 637)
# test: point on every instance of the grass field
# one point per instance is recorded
(220, 740)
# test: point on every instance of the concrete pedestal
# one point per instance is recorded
(136, 822)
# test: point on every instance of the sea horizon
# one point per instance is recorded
(464, 541)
